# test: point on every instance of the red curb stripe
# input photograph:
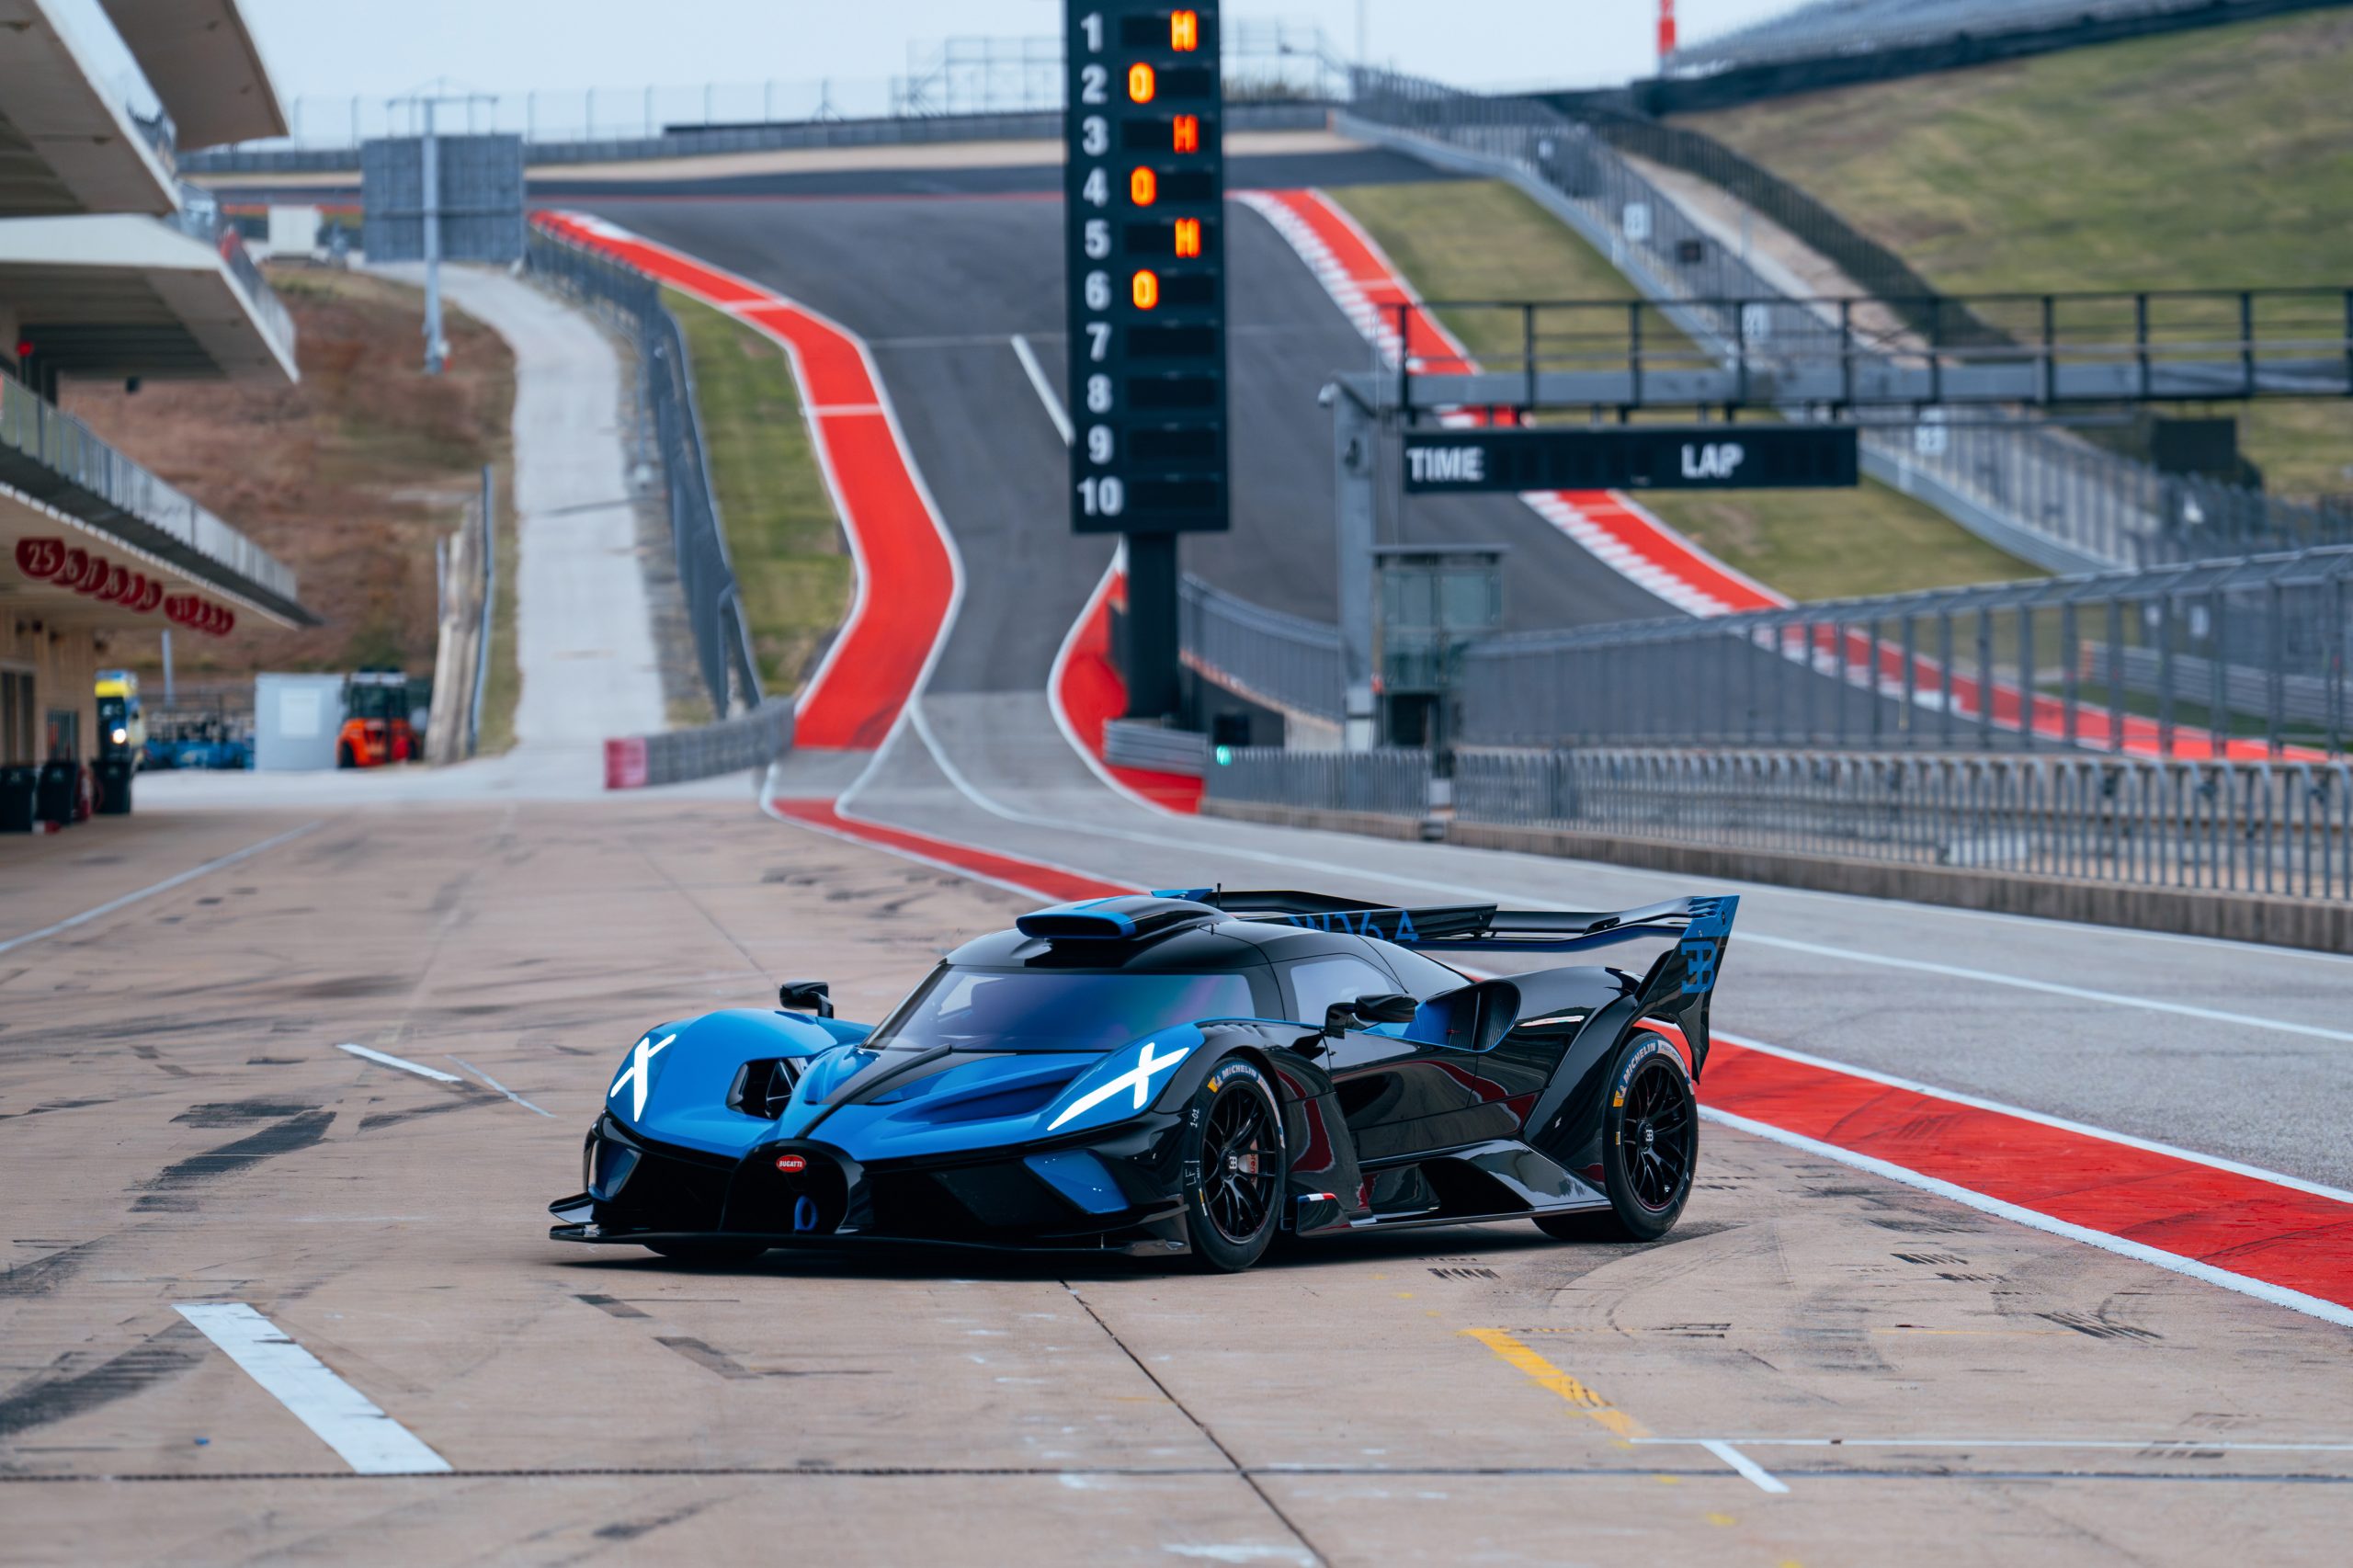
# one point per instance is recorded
(1089, 693)
(1048, 881)
(2277, 1234)
(906, 576)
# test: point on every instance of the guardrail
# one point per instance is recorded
(1390, 781)
(2248, 828)
(2046, 496)
(633, 301)
(675, 756)
(2240, 828)
(53, 457)
(1284, 662)
(1998, 666)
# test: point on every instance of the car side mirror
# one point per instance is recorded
(1380, 1007)
(805, 996)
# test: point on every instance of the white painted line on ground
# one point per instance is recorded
(1045, 389)
(2262, 1291)
(402, 1063)
(345, 1419)
(831, 409)
(2112, 998)
(166, 885)
(500, 1088)
(1765, 1480)
(2172, 1440)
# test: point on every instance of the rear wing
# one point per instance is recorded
(1701, 923)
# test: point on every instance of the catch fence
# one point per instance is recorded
(631, 301)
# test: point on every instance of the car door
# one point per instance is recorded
(1398, 1096)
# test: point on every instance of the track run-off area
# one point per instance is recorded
(2012, 1242)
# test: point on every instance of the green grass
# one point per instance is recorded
(2218, 158)
(1485, 240)
(782, 535)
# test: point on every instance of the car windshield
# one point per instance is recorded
(977, 1009)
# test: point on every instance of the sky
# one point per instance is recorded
(379, 47)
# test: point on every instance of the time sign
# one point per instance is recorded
(1143, 188)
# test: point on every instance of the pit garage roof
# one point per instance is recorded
(66, 144)
(23, 516)
(120, 295)
(200, 57)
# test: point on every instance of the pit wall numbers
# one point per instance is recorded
(1144, 258)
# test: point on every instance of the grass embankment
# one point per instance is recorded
(348, 476)
(786, 544)
(2220, 158)
(1483, 240)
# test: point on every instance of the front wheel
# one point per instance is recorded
(1235, 1166)
(1650, 1147)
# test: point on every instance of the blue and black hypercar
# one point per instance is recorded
(1192, 1073)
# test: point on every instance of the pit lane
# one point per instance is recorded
(1921, 1379)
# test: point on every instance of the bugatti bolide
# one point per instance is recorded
(1192, 1073)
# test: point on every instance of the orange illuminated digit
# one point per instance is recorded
(1142, 84)
(1143, 188)
(1183, 31)
(1188, 237)
(1186, 135)
(1146, 289)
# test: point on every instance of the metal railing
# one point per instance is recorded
(2045, 496)
(1393, 781)
(2242, 827)
(1840, 26)
(199, 217)
(2250, 652)
(53, 457)
(1284, 662)
(1266, 60)
(632, 302)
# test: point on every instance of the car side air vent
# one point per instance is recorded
(1123, 919)
(763, 1088)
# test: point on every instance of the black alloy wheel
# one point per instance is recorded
(1650, 1147)
(1234, 1141)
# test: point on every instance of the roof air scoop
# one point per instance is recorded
(1122, 919)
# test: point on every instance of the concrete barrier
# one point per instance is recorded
(675, 756)
(2323, 925)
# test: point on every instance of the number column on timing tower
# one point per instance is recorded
(1145, 184)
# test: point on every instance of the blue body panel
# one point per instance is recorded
(687, 1078)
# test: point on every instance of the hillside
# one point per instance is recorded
(2214, 159)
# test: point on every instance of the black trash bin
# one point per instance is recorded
(114, 785)
(60, 782)
(19, 784)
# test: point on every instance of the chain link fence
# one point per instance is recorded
(632, 303)
(2050, 497)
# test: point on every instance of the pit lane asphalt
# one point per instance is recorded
(1469, 1395)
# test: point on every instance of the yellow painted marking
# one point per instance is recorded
(1725, 1521)
(1536, 1369)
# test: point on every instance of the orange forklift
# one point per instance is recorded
(376, 728)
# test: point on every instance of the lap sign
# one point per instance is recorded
(1718, 461)
(1447, 465)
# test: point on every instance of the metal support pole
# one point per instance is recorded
(1354, 448)
(437, 349)
(1151, 663)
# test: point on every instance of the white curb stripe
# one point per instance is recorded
(345, 1419)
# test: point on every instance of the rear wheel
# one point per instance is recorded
(342, 755)
(1234, 1156)
(1650, 1147)
(707, 1252)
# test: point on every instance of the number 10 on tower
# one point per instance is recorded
(1143, 192)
